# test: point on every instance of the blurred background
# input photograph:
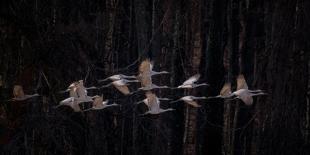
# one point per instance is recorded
(47, 44)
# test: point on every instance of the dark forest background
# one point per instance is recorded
(47, 44)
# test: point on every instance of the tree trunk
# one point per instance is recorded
(278, 124)
(195, 46)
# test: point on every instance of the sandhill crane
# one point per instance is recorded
(244, 93)
(146, 66)
(19, 94)
(153, 105)
(155, 72)
(77, 89)
(191, 82)
(225, 92)
(145, 101)
(99, 104)
(153, 86)
(190, 100)
(121, 85)
(118, 77)
(71, 102)
(71, 89)
(82, 92)
(146, 72)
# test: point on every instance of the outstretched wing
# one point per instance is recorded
(145, 73)
(123, 89)
(75, 106)
(145, 66)
(97, 101)
(247, 99)
(152, 100)
(192, 79)
(18, 91)
(241, 83)
(226, 90)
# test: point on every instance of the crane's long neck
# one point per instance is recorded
(131, 80)
(175, 101)
(90, 88)
(129, 76)
(199, 98)
(201, 84)
(111, 105)
(257, 94)
(256, 91)
(166, 110)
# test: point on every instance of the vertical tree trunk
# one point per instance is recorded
(231, 109)
(108, 48)
(142, 17)
(195, 47)
(278, 124)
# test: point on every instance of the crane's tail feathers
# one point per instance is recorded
(57, 106)
(63, 91)
(174, 101)
(88, 109)
(106, 79)
(105, 86)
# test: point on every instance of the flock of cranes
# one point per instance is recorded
(78, 92)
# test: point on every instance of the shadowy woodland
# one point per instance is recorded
(47, 44)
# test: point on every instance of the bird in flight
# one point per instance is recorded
(19, 94)
(191, 100)
(118, 77)
(191, 83)
(243, 93)
(71, 102)
(153, 104)
(224, 93)
(99, 104)
(121, 85)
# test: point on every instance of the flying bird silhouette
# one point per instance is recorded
(19, 94)
(99, 104)
(153, 105)
(191, 100)
(191, 83)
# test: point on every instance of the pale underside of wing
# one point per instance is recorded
(146, 80)
(241, 83)
(81, 91)
(123, 89)
(152, 100)
(145, 66)
(192, 79)
(97, 101)
(226, 90)
(75, 107)
(247, 99)
(193, 103)
(145, 69)
(73, 93)
(18, 91)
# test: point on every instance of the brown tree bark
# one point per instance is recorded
(195, 49)
(278, 123)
